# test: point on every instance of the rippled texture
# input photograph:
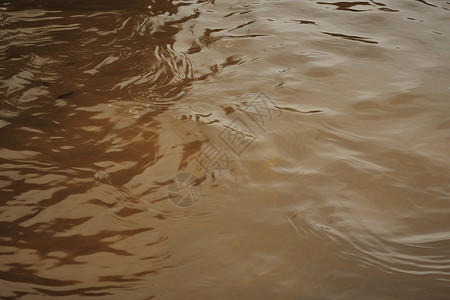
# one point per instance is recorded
(336, 185)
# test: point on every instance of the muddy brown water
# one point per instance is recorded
(225, 149)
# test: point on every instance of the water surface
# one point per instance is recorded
(314, 134)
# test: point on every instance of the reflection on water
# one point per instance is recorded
(316, 133)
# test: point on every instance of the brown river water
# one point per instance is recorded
(225, 149)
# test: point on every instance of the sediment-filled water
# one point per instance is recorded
(225, 149)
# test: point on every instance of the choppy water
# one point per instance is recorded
(312, 138)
